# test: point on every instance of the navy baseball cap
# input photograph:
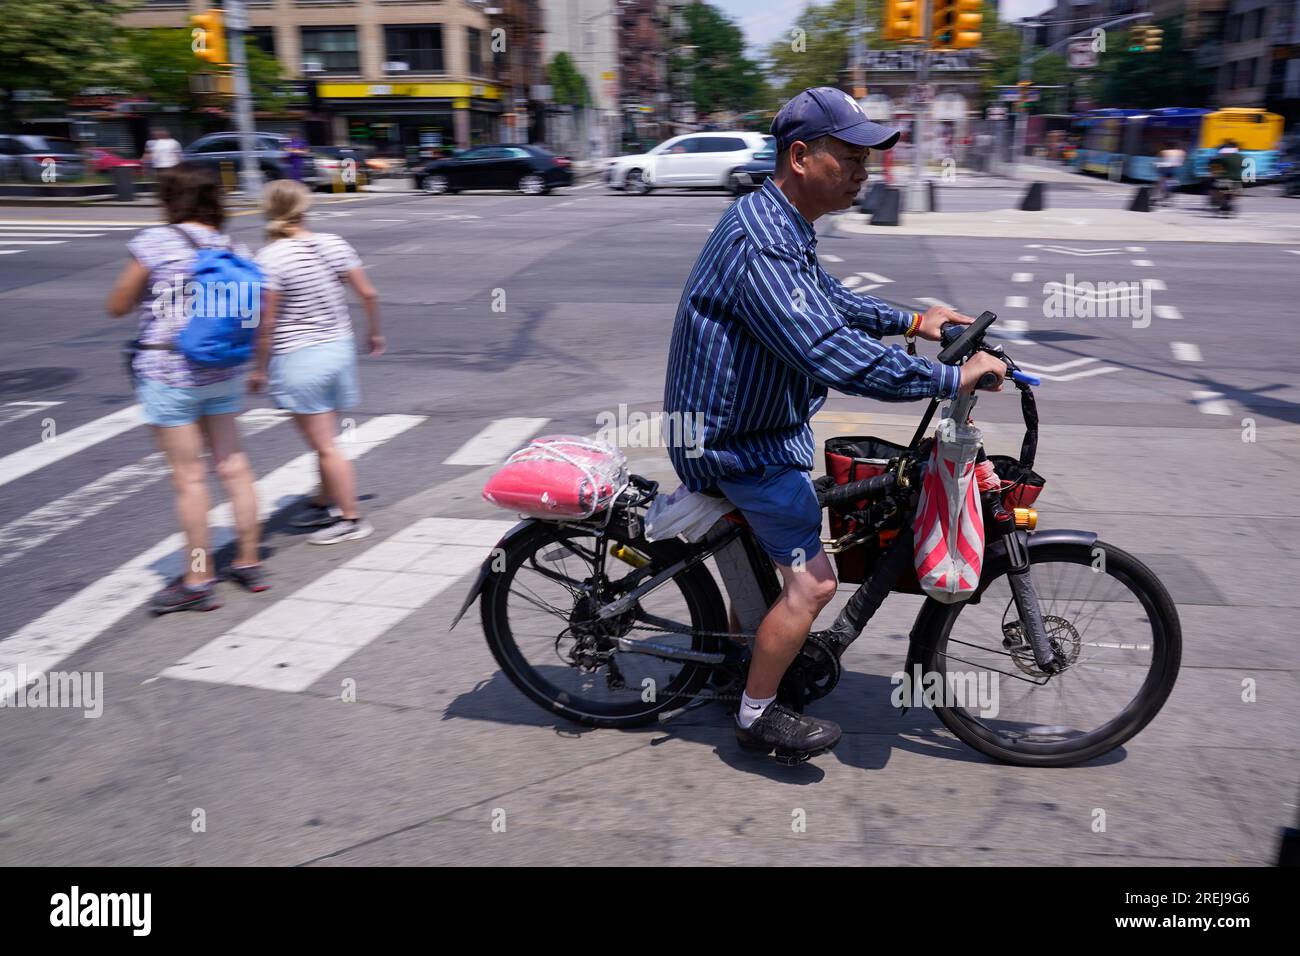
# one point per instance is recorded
(824, 110)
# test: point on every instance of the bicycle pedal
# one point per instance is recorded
(792, 758)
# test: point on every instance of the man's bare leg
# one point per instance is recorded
(787, 623)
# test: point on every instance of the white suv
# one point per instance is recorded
(693, 160)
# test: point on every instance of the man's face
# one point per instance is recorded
(835, 173)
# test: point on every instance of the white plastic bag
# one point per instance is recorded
(684, 512)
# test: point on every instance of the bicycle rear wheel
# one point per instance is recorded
(539, 616)
(1116, 625)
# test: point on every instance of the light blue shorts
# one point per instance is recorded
(173, 405)
(316, 378)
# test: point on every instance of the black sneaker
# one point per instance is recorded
(794, 737)
(179, 596)
(312, 515)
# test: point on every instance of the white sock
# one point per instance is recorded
(751, 709)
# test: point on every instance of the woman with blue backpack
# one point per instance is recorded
(198, 298)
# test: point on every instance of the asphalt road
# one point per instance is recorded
(1172, 433)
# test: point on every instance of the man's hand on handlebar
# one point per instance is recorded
(978, 365)
(936, 317)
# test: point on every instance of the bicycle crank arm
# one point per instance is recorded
(1026, 598)
(668, 652)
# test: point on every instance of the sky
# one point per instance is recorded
(765, 20)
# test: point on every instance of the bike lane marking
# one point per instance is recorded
(1186, 351)
(69, 626)
(298, 640)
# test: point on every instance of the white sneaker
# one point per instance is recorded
(342, 530)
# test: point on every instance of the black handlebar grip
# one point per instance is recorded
(868, 488)
(987, 380)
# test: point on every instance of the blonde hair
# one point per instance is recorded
(284, 204)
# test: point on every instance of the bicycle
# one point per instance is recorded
(607, 629)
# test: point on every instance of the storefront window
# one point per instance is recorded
(474, 38)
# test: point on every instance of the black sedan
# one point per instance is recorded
(754, 173)
(530, 169)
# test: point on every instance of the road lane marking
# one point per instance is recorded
(1168, 312)
(43, 453)
(1022, 277)
(1186, 351)
(298, 640)
(1211, 403)
(71, 625)
(34, 529)
(495, 442)
(828, 257)
(1142, 263)
(1017, 302)
(12, 411)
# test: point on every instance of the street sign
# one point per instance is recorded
(997, 113)
(1011, 95)
(1081, 55)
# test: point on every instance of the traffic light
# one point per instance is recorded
(970, 17)
(1137, 39)
(1153, 39)
(902, 20)
(942, 23)
(208, 36)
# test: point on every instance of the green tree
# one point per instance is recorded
(164, 63)
(1001, 45)
(817, 48)
(1149, 80)
(568, 85)
(722, 77)
(60, 46)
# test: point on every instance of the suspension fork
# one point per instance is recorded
(1022, 591)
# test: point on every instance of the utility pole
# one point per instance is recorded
(1018, 141)
(250, 174)
(918, 109)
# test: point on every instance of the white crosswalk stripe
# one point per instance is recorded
(42, 453)
(298, 640)
(12, 411)
(38, 526)
(77, 621)
(494, 443)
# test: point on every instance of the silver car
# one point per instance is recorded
(39, 159)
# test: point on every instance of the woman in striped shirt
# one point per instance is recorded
(305, 344)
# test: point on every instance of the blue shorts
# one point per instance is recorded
(780, 504)
(316, 378)
(172, 405)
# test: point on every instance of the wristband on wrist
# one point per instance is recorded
(914, 327)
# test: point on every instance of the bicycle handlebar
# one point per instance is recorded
(869, 488)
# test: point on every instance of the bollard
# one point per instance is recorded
(934, 195)
(123, 183)
(887, 210)
(869, 203)
(1033, 201)
(1141, 200)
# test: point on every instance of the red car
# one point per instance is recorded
(101, 160)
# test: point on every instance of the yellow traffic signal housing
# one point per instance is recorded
(208, 36)
(902, 20)
(1154, 37)
(941, 23)
(967, 30)
(1137, 39)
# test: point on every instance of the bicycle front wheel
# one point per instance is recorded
(1111, 618)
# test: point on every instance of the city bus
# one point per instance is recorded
(1257, 133)
(1102, 152)
(1146, 134)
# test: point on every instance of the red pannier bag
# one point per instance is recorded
(852, 459)
(559, 476)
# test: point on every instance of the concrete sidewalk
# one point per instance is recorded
(1092, 224)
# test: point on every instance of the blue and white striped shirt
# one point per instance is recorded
(762, 332)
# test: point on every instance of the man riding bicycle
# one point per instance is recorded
(762, 332)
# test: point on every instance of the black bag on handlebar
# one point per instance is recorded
(852, 459)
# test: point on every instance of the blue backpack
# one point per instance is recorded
(220, 332)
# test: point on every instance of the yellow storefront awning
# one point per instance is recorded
(461, 91)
